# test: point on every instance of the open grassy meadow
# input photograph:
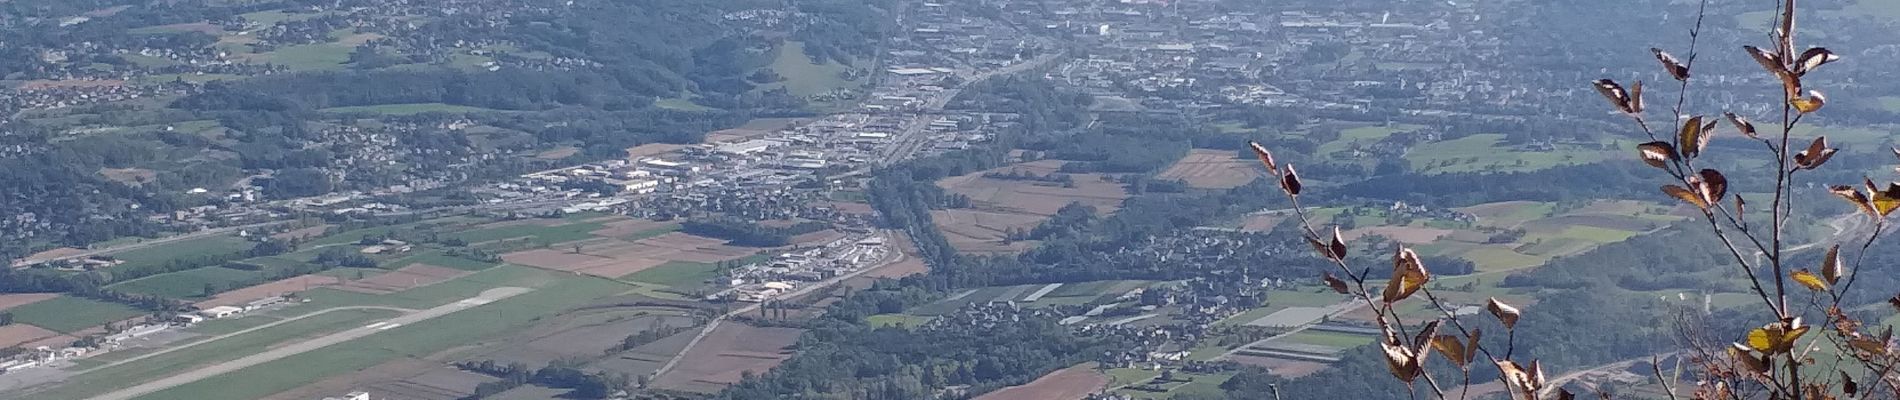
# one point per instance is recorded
(69, 314)
(190, 283)
(802, 76)
(1487, 153)
(159, 255)
(536, 232)
(676, 274)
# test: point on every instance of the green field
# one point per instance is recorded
(1486, 153)
(1890, 103)
(71, 314)
(1329, 339)
(538, 233)
(802, 77)
(408, 109)
(414, 340)
(189, 283)
(269, 18)
(440, 259)
(681, 104)
(308, 56)
(676, 274)
(98, 381)
(159, 255)
(1130, 376)
(897, 320)
(1364, 135)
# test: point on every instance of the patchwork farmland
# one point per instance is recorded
(999, 206)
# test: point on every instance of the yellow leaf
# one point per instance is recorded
(1690, 137)
(1685, 195)
(1885, 201)
(1811, 103)
(1778, 337)
(1810, 280)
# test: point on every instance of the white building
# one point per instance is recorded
(220, 312)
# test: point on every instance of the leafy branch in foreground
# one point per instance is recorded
(1775, 361)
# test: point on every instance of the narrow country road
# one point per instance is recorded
(486, 297)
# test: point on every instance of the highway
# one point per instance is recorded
(913, 137)
(274, 354)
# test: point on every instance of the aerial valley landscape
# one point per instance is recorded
(948, 199)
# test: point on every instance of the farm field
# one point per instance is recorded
(188, 284)
(575, 335)
(1507, 236)
(413, 340)
(541, 231)
(645, 359)
(1213, 169)
(159, 255)
(70, 314)
(267, 289)
(106, 379)
(676, 274)
(18, 334)
(9, 301)
(1072, 383)
(1363, 136)
(731, 349)
(999, 205)
(1487, 152)
(405, 378)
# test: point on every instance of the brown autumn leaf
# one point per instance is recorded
(1895, 302)
(1813, 58)
(1811, 103)
(1690, 137)
(1516, 378)
(1847, 384)
(1423, 338)
(1400, 360)
(1338, 245)
(1768, 59)
(1711, 185)
(1291, 182)
(1685, 195)
(1657, 154)
(1266, 157)
(1408, 276)
(1334, 282)
(1746, 357)
(1505, 313)
(1318, 246)
(1809, 279)
(1636, 97)
(1856, 198)
(1815, 155)
(1471, 346)
(1831, 267)
(1748, 128)
(1671, 64)
(1869, 345)
(1615, 94)
(1452, 348)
